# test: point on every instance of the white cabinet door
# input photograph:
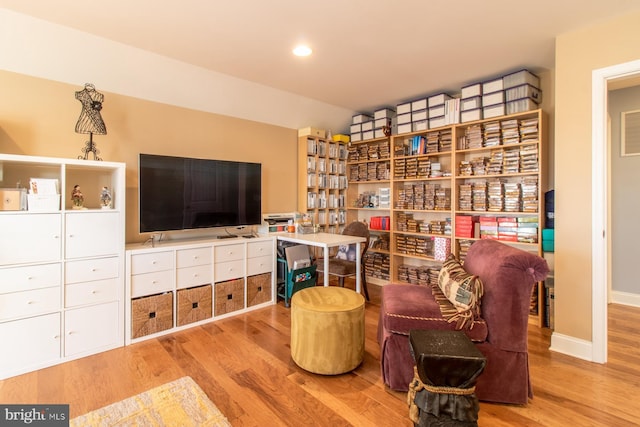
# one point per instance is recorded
(33, 342)
(29, 237)
(91, 328)
(92, 234)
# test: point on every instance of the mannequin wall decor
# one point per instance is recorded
(90, 120)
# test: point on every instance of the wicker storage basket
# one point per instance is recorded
(194, 304)
(258, 289)
(151, 314)
(229, 296)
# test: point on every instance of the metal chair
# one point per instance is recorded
(344, 264)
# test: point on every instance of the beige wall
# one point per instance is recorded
(38, 117)
(577, 55)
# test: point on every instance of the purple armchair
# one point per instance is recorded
(508, 275)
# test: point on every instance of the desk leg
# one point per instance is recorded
(326, 266)
(358, 267)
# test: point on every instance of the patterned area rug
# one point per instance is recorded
(178, 403)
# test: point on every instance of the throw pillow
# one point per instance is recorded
(458, 293)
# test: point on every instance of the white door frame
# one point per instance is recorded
(600, 203)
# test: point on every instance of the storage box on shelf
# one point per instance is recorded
(499, 182)
(440, 177)
(421, 203)
(61, 269)
(179, 284)
(322, 173)
(369, 188)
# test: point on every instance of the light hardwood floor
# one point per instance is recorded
(244, 365)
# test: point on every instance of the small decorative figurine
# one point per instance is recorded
(77, 198)
(105, 198)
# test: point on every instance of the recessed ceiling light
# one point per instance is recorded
(302, 50)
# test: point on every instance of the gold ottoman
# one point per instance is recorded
(327, 329)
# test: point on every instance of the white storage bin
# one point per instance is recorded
(420, 125)
(403, 108)
(471, 115)
(524, 91)
(493, 111)
(492, 86)
(43, 202)
(419, 104)
(360, 118)
(384, 113)
(438, 99)
(521, 105)
(472, 103)
(520, 78)
(493, 98)
(471, 91)
(404, 128)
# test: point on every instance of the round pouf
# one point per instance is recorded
(327, 329)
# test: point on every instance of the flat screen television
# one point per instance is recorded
(179, 193)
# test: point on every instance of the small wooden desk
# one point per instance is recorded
(326, 241)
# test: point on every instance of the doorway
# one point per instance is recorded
(602, 79)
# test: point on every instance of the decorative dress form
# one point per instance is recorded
(90, 120)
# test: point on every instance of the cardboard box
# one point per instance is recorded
(311, 131)
(13, 199)
(355, 137)
(355, 128)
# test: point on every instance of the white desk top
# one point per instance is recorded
(319, 239)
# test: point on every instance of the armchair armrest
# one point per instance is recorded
(508, 275)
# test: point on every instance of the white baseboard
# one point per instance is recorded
(625, 298)
(571, 346)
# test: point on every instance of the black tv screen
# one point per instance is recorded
(178, 193)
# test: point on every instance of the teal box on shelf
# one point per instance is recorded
(548, 239)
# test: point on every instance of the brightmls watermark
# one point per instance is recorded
(34, 415)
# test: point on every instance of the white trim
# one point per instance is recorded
(571, 346)
(625, 298)
(600, 205)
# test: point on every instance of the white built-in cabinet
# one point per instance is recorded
(178, 284)
(61, 269)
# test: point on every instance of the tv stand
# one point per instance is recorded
(226, 236)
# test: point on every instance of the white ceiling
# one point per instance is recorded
(367, 53)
